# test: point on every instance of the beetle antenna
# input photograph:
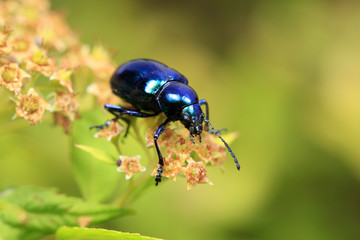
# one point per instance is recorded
(225, 143)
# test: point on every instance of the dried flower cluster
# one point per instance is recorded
(181, 155)
(184, 157)
(36, 43)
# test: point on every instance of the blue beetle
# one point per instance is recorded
(153, 88)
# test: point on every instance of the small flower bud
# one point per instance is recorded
(130, 165)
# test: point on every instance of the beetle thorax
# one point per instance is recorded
(174, 97)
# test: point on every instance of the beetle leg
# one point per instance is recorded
(119, 111)
(157, 134)
(192, 139)
(99, 127)
(127, 127)
(204, 102)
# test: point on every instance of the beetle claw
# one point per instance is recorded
(158, 176)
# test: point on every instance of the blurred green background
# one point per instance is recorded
(284, 74)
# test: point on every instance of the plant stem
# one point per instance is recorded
(134, 184)
(122, 199)
(143, 144)
(115, 142)
(31, 83)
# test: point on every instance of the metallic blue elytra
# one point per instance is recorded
(138, 82)
(155, 88)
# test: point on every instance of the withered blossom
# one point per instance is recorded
(31, 106)
(29, 11)
(11, 77)
(103, 93)
(110, 131)
(63, 121)
(5, 49)
(130, 165)
(72, 59)
(64, 78)
(67, 104)
(179, 153)
(176, 140)
(195, 172)
(22, 47)
(98, 60)
(172, 167)
(210, 151)
(41, 62)
(55, 32)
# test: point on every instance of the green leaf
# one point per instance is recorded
(76, 233)
(97, 154)
(97, 180)
(11, 233)
(42, 211)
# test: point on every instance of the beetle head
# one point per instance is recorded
(192, 117)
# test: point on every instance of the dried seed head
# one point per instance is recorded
(30, 106)
(41, 62)
(11, 77)
(104, 94)
(63, 121)
(66, 102)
